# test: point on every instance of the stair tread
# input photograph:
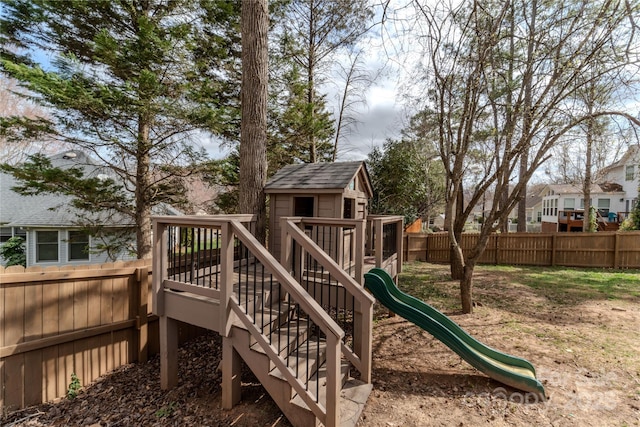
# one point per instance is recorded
(286, 339)
(266, 316)
(308, 356)
(321, 375)
(353, 398)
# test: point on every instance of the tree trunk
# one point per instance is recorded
(528, 117)
(253, 128)
(313, 151)
(466, 289)
(457, 225)
(587, 225)
(143, 202)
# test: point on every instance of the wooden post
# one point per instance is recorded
(359, 252)
(168, 352)
(616, 254)
(399, 229)
(231, 374)
(226, 278)
(333, 382)
(553, 249)
(378, 240)
(160, 264)
(363, 315)
(142, 323)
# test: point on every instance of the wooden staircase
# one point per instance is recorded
(305, 356)
(309, 345)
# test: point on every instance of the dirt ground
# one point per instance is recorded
(586, 353)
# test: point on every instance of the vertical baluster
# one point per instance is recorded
(288, 325)
(246, 280)
(318, 366)
(171, 255)
(239, 246)
(296, 341)
(218, 257)
(255, 285)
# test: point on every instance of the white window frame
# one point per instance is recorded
(566, 205)
(629, 172)
(37, 246)
(69, 243)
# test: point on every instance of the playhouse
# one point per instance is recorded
(296, 313)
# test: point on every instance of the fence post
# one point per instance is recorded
(616, 254)
(406, 247)
(553, 249)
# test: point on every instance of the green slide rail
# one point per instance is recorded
(510, 370)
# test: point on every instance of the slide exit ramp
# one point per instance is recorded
(510, 370)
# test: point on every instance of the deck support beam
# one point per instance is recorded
(231, 374)
(168, 352)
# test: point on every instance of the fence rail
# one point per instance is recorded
(86, 320)
(603, 249)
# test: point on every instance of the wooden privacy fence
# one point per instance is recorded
(603, 249)
(86, 320)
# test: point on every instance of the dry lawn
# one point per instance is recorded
(580, 329)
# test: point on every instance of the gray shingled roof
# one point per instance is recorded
(49, 210)
(314, 176)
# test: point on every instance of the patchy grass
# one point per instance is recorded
(557, 285)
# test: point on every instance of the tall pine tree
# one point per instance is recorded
(131, 83)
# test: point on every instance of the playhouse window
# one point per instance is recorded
(303, 206)
(349, 211)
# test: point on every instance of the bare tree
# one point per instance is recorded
(253, 131)
(356, 82)
(15, 147)
(461, 44)
(317, 30)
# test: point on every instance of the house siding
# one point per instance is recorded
(63, 251)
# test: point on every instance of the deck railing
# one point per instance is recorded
(332, 274)
(236, 269)
(384, 242)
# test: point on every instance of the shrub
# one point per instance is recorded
(14, 252)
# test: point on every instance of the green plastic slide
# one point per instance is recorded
(510, 370)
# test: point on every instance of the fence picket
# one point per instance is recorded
(58, 321)
(604, 249)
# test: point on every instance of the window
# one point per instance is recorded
(603, 206)
(46, 246)
(5, 234)
(629, 173)
(569, 204)
(78, 246)
(349, 211)
(303, 206)
(8, 232)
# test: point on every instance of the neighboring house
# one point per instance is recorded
(50, 224)
(613, 198)
(626, 172)
(563, 205)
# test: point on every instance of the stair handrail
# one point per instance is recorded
(361, 361)
(329, 413)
